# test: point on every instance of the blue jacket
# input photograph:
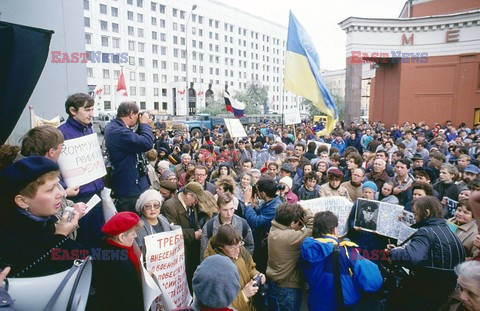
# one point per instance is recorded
(357, 274)
(260, 219)
(123, 145)
(340, 145)
(74, 129)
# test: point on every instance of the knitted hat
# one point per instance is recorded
(287, 181)
(166, 174)
(169, 185)
(164, 164)
(120, 223)
(147, 196)
(290, 147)
(371, 185)
(18, 175)
(216, 282)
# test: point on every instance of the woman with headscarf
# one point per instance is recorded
(148, 207)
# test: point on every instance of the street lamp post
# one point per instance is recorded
(187, 92)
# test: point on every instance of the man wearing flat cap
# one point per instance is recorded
(182, 210)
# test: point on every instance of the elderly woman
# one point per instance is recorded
(148, 206)
(116, 282)
(467, 296)
(425, 256)
(31, 234)
(228, 242)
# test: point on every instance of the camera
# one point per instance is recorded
(281, 187)
(142, 163)
(258, 280)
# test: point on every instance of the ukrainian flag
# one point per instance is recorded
(302, 72)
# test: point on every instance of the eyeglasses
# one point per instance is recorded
(151, 207)
(233, 247)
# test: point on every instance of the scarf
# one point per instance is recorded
(31, 216)
(132, 256)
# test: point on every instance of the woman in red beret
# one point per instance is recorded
(116, 279)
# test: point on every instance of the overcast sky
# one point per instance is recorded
(320, 18)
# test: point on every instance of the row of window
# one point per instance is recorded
(181, 14)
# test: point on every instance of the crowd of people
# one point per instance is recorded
(237, 202)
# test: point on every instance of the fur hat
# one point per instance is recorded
(147, 196)
(216, 282)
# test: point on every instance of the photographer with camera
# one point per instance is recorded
(260, 218)
(126, 152)
(228, 242)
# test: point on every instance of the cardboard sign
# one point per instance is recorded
(383, 218)
(340, 206)
(165, 256)
(81, 161)
(235, 128)
(292, 116)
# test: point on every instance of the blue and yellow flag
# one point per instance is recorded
(302, 72)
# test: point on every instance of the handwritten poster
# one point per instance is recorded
(340, 206)
(81, 160)
(165, 256)
(235, 128)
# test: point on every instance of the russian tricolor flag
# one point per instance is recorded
(234, 106)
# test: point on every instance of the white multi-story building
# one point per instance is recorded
(164, 41)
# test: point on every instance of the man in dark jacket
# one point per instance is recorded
(79, 108)
(260, 218)
(125, 149)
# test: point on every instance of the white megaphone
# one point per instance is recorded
(67, 290)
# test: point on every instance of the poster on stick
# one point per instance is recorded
(81, 160)
(292, 116)
(235, 128)
(165, 256)
(340, 206)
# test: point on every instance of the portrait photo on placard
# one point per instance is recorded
(367, 214)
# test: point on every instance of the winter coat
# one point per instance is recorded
(123, 146)
(240, 226)
(73, 129)
(260, 220)
(29, 246)
(116, 283)
(357, 274)
(291, 197)
(390, 199)
(284, 254)
(304, 194)
(431, 255)
(246, 270)
(450, 190)
(327, 191)
(147, 229)
(467, 234)
(353, 192)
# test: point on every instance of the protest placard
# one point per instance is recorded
(291, 116)
(235, 128)
(165, 256)
(382, 218)
(151, 289)
(340, 206)
(451, 207)
(81, 160)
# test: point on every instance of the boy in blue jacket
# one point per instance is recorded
(357, 274)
